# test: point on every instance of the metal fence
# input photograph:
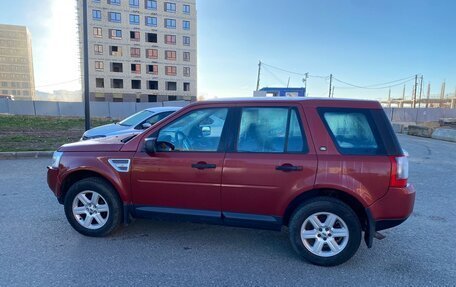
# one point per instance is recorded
(122, 110)
(76, 109)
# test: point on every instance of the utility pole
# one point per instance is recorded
(86, 66)
(414, 92)
(428, 94)
(330, 85)
(389, 98)
(288, 83)
(421, 91)
(306, 76)
(403, 93)
(258, 77)
(332, 93)
(442, 94)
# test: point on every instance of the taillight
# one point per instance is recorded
(399, 170)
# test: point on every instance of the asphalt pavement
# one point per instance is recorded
(39, 248)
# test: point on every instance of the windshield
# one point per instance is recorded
(136, 118)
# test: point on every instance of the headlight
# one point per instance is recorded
(56, 159)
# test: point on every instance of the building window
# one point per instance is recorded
(98, 49)
(134, 19)
(99, 65)
(134, 36)
(171, 70)
(170, 7)
(186, 9)
(152, 85)
(186, 56)
(117, 83)
(96, 1)
(96, 15)
(116, 67)
(152, 98)
(136, 68)
(114, 17)
(151, 53)
(115, 51)
(115, 34)
(170, 39)
(186, 71)
(186, 25)
(135, 52)
(170, 23)
(170, 55)
(97, 32)
(172, 98)
(114, 2)
(136, 84)
(151, 37)
(99, 82)
(152, 69)
(186, 40)
(186, 87)
(151, 4)
(117, 100)
(151, 21)
(171, 86)
(134, 3)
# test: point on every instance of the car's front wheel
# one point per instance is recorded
(325, 231)
(93, 207)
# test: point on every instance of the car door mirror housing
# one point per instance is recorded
(149, 145)
(146, 125)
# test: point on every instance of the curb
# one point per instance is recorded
(25, 154)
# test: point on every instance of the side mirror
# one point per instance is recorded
(206, 131)
(145, 126)
(149, 145)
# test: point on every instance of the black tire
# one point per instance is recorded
(334, 206)
(110, 196)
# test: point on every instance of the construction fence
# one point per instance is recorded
(113, 110)
(121, 110)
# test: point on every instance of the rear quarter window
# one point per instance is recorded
(353, 131)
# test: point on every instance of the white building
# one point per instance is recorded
(141, 50)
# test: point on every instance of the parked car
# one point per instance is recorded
(135, 123)
(330, 170)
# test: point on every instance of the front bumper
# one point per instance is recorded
(54, 183)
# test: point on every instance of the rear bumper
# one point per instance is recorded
(394, 208)
(53, 182)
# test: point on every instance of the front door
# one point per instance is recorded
(270, 163)
(186, 180)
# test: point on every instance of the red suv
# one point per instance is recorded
(329, 170)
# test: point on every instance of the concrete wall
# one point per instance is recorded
(419, 115)
(66, 109)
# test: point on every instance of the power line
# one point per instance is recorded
(372, 87)
(295, 73)
(58, 84)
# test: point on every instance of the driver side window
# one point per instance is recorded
(198, 130)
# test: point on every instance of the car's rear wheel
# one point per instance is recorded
(325, 231)
(93, 207)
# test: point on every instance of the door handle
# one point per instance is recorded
(289, 167)
(203, 165)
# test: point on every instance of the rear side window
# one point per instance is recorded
(353, 131)
(270, 130)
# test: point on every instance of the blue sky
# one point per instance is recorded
(362, 42)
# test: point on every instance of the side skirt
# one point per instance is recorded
(207, 216)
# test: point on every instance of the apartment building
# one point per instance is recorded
(141, 50)
(16, 63)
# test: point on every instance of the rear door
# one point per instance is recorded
(269, 162)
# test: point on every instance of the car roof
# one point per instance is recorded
(306, 101)
(163, 109)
